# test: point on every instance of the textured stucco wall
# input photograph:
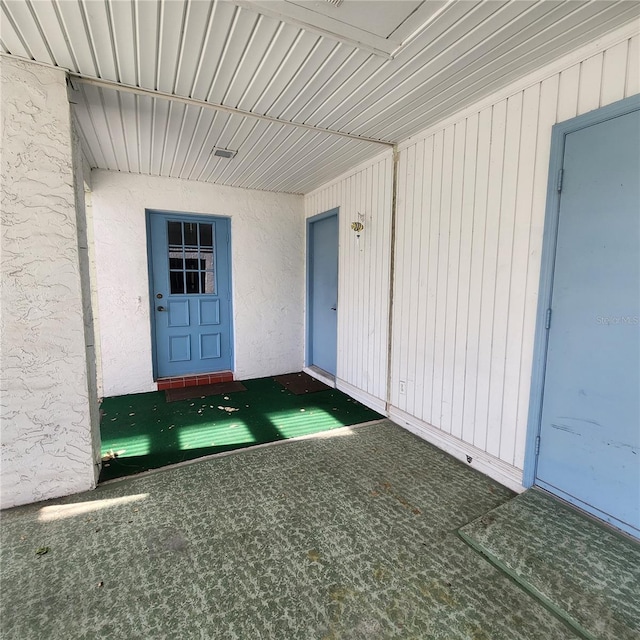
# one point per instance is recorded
(267, 243)
(45, 410)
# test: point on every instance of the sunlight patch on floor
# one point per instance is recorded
(63, 511)
(200, 436)
(139, 445)
(295, 422)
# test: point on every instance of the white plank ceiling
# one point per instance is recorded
(446, 55)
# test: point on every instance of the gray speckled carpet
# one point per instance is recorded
(353, 535)
(586, 572)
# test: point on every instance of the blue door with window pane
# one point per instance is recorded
(191, 293)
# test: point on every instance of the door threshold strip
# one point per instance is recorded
(179, 382)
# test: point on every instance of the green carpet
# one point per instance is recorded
(586, 572)
(144, 431)
(351, 536)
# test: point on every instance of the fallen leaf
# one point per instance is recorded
(314, 556)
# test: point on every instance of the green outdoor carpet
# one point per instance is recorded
(350, 536)
(143, 431)
(587, 573)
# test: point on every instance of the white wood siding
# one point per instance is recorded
(363, 273)
(471, 208)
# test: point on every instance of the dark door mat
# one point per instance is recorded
(586, 573)
(187, 393)
(301, 383)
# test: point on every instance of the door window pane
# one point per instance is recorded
(206, 258)
(190, 233)
(176, 279)
(191, 257)
(174, 230)
(193, 282)
(206, 235)
(191, 260)
(207, 282)
(176, 261)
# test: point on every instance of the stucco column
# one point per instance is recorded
(46, 411)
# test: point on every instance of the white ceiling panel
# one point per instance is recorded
(421, 61)
(153, 136)
(470, 83)
(380, 19)
(382, 28)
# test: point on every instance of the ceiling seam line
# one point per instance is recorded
(436, 58)
(526, 54)
(119, 86)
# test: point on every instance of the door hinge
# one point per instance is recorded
(537, 445)
(559, 183)
(547, 323)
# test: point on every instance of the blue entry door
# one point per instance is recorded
(191, 293)
(589, 447)
(323, 291)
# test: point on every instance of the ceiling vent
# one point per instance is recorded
(335, 3)
(223, 153)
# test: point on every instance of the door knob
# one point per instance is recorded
(161, 308)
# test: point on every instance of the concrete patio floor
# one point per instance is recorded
(352, 534)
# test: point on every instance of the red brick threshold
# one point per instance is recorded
(179, 382)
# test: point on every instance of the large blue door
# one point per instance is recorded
(323, 291)
(190, 293)
(589, 447)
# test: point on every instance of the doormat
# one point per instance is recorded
(301, 383)
(187, 393)
(143, 431)
(586, 573)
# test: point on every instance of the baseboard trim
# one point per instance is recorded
(496, 469)
(321, 375)
(362, 396)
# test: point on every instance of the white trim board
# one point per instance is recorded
(321, 375)
(499, 471)
(362, 396)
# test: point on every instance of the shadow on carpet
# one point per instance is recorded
(586, 573)
(143, 431)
